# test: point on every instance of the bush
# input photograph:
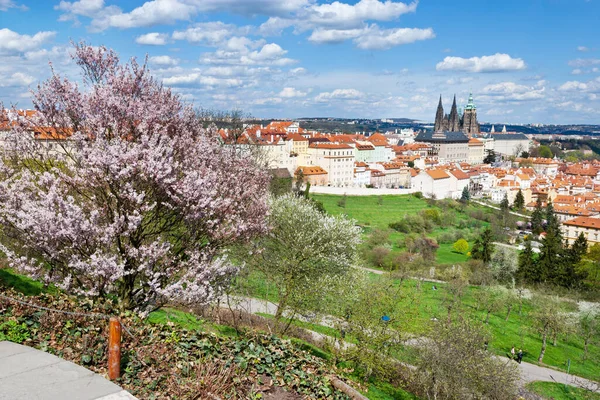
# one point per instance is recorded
(13, 331)
(379, 255)
(378, 237)
(418, 195)
(432, 215)
(414, 223)
(448, 236)
(461, 246)
(479, 273)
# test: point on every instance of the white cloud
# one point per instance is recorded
(163, 61)
(87, 8)
(290, 92)
(514, 92)
(150, 13)
(342, 15)
(181, 79)
(13, 42)
(6, 4)
(153, 39)
(322, 35)
(459, 81)
(155, 12)
(584, 62)
(494, 63)
(250, 7)
(372, 37)
(577, 71)
(337, 22)
(383, 39)
(582, 48)
(17, 79)
(269, 54)
(572, 86)
(592, 86)
(345, 94)
(206, 33)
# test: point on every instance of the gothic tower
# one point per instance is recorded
(453, 122)
(439, 118)
(470, 125)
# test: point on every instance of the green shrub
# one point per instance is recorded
(14, 332)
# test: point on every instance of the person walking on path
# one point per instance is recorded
(512, 353)
(520, 356)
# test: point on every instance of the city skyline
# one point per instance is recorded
(525, 62)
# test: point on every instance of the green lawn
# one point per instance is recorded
(424, 304)
(558, 391)
(367, 211)
(21, 283)
(377, 212)
(516, 331)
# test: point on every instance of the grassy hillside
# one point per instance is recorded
(558, 391)
(377, 212)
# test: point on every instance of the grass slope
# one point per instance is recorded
(558, 391)
(424, 304)
(377, 212)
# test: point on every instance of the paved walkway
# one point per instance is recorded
(498, 208)
(30, 374)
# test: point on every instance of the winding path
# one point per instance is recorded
(529, 372)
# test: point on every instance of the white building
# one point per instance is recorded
(336, 159)
(510, 144)
(434, 183)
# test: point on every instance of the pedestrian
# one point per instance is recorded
(433, 287)
(512, 352)
(520, 356)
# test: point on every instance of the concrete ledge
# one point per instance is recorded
(27, 373)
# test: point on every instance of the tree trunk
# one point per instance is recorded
(554, 339)
(508, 313)
(541, 357)
(487, 317)
(586, 341)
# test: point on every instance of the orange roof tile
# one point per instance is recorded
(437, 174)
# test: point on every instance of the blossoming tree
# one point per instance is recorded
(142, 201)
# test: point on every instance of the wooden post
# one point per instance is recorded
(114, 349)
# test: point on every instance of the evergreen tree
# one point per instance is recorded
(466, 196)
(569, 276)
(551, 218)
(527, 271)
(490, 157)
(551, 260)
(537, 218)
(504, 204)
(519, 201)
(483, 247)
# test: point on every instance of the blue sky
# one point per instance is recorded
(526, 61)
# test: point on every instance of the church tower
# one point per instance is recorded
(470, 125)
(454, 123)
(439, 118)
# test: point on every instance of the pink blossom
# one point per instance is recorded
(142, 200)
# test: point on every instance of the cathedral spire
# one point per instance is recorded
(454, 120)
(439, 117)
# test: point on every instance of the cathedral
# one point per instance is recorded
(458, 121)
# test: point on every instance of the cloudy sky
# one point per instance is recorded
(526, 61)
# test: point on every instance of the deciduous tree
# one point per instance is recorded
(306, 255)
(461, 246)
(142, 200)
